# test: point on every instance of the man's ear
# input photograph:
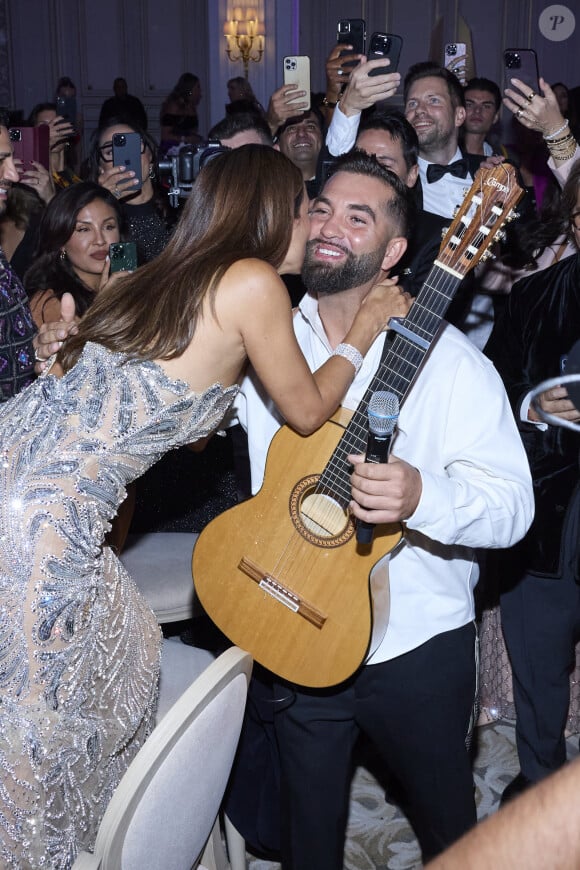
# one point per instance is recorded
(412, 175)
(459, 116)
(395, 250)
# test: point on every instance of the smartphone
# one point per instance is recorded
(455, 60)
(31, 143)
(387, 45)
(127, 153)
(352, 31)
(123, 256)
(297, 72)
(66, 107)
(522, 64)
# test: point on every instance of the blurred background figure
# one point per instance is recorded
(66, 89)
(242, 97)
(62, 134)
(179, 121)
(123, 106)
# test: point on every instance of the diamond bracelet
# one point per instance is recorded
(350, 353)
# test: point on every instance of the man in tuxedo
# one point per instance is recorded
(457, 483)
(389, 136)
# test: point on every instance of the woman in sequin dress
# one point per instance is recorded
(154, 365)
(149, 216)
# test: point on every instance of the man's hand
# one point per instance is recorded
(280, 107)
(386, 492)
(338, 67)
(364, 90)
(555, 401)
(48, 340)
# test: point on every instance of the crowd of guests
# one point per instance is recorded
(467, 490)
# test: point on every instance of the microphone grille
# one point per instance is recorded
(383, 411)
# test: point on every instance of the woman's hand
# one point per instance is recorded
(119, 181)
(535, 112)
(108, 278)
(60, 131)
(385, 300)
(35, 175)
(49, 338)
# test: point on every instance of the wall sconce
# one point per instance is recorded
(244, 36)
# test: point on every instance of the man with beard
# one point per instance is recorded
(457, 483)
(16, 326)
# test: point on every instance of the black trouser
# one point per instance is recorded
(416, 709)
(541, 620)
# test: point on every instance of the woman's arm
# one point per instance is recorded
(44, 307)
(306, 400)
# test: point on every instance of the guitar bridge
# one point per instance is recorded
(281, 593)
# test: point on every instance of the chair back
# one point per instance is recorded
(164, 808)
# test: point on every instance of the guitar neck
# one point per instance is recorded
(399, 367)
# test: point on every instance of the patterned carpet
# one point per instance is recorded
(379, 837)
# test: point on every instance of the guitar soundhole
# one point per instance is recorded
(318, 517)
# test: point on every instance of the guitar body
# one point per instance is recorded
(306, 547)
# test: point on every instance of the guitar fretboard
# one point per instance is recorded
(397, 371)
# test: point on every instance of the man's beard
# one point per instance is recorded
(324, 279)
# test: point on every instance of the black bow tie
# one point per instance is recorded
(435, 171)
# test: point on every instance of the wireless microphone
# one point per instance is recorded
(383, 412)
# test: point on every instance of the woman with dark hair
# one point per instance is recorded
(178, 118)
(76, 230)
(155, 364)
(148, 214)
(61, 135)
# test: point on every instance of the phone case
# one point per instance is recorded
(387, 45)
(66, 107)
(455, 60)
(127, 152)
(123, 256)
(352, 31)
(522, 64)
(297, 72)
(31, 143)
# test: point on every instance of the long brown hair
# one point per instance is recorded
(242, 204)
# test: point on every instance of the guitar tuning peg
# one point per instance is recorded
(500, 236)
(512, 216)
(487, 255)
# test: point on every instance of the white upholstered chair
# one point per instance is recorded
(160, 564)
(164, 808)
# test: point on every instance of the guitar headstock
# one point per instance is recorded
(488, 204)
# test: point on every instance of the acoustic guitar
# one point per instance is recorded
(282, 574)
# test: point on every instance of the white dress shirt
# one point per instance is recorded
(458, 429)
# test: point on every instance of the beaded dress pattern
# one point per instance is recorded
(79, 646)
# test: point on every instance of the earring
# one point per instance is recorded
(63, 254)
(151, 172)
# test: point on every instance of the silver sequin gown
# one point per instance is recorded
(79, 646)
